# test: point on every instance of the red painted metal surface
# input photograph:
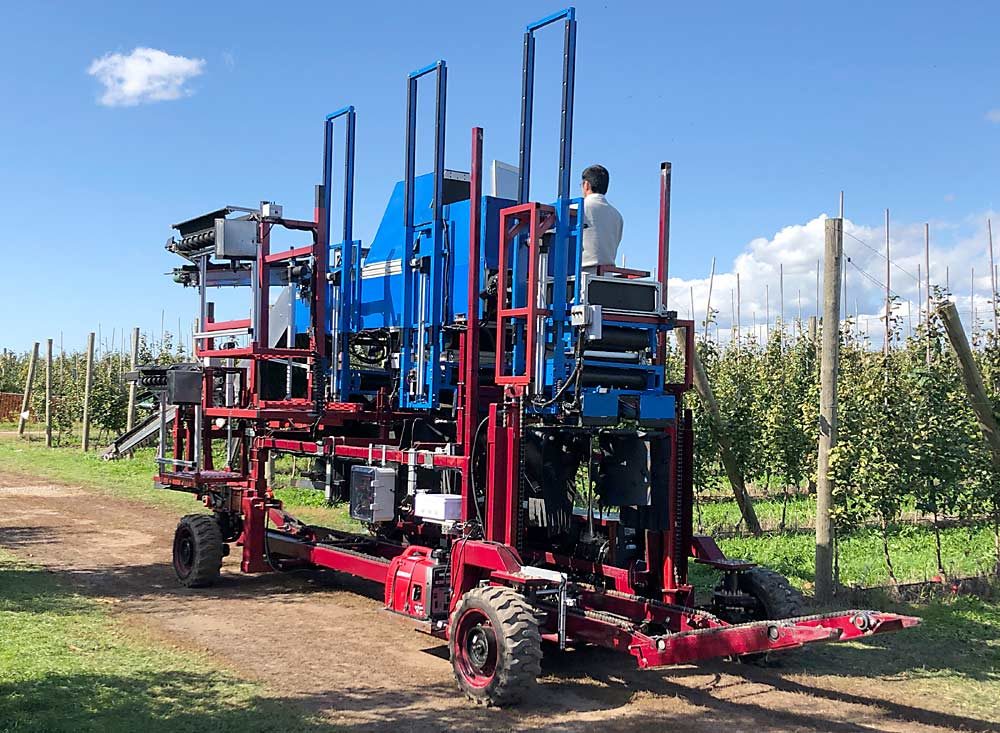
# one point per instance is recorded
(469, 356)
(641, 605)
(538, 219)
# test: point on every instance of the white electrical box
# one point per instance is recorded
(438, 507)
(270, 210)
(373, 493)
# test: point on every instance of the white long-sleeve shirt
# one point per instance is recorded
(602, 231)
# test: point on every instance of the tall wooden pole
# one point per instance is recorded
(708, 302)
(88, 383)
(829, 363)
(972, 300)
(927, 289)
(781, 302)
(132, 385)
(767, 313)
(993, 280)
(920, 294)
(48, 393)
(732, 322)
(818, 301)
(888, 298)
(22, 419)
(739, 306)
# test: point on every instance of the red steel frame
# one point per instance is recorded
(650, 594)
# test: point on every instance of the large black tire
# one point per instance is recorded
(198, 550)
(495, 646)
(776, 596)
(776, 599)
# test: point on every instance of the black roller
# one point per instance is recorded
(600, 377)
(199, 240)
(621, 338)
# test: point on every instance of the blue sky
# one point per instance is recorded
(766, 110)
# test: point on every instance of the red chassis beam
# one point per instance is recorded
(763, 636)
(613, 619)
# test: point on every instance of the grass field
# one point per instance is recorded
(66, 664)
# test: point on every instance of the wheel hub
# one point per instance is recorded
(478, 646)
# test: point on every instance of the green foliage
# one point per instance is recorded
(907, 439)
(109, 388)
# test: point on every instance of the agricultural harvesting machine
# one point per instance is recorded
(500, 421)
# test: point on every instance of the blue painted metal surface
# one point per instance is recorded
(342, 258)
(656, 409)
(422, 261)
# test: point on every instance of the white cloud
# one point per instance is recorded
(955, 249)
(994, 115)
(145, 75)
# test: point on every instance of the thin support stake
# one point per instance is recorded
(87, 385)
(28, 383)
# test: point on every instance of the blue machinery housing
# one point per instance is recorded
(409, 285)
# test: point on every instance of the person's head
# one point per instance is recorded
(595, 179)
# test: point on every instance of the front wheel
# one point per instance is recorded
(495, 646)
(198, 550)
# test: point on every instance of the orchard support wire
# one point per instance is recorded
(829, 363)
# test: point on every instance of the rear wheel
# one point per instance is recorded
(495, 646)
(198, 550)
(775, 596)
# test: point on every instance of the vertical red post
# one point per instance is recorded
(670, 537)
(496, 479)
(512, 475)
(470, 344)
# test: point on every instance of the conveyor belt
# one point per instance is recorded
(137, 435)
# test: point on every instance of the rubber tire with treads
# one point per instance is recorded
(197, 550)
(777, 597)
(773, 591)
(513, 628)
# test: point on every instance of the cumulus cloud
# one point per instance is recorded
(144, 75)
(994, 115)
(793, 256)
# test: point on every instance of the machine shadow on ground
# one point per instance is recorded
(575, 681)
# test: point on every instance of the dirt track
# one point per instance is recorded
(316, 639)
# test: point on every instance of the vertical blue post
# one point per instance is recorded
(345, 269)
(565, 253)
(411, 343)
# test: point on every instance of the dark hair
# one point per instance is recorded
(597, 176)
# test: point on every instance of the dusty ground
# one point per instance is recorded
(324, 640)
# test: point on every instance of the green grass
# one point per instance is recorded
(67, 665)
(800, 512)
(951, 662)
(966, 551)
(133, 479)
